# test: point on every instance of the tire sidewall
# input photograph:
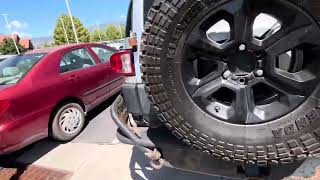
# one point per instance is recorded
(57, 132)
(194, 124)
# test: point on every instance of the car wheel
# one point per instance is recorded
(68, 122)
(226, 86)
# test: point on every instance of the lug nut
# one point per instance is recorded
(226, 74)
(242, 81)
(259, 72)
(217, 109)
(242, 47)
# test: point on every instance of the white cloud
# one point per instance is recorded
(18, 27)
(15, 24)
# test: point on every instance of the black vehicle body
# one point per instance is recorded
(139, 125)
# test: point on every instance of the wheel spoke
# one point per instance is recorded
(62, 120)
(63, 126)
(294, 28)
(244, 105)
(241, 26)
(221, 67)
(291, 83)
(78, 115)
(193, 80)
(305, 34)
(299, 83)
(199, 42)
(208, 89)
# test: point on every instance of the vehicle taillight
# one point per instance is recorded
(122, 62)
(4, 106)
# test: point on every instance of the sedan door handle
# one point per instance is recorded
(72, 77)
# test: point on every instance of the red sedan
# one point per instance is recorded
(47, 92)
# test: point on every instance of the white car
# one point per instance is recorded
(3, 57)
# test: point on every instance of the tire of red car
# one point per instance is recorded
(285, 139)
(68, 122)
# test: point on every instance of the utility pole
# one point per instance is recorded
(72, 23)
(14, 41)
(99, 32)
(64, 30)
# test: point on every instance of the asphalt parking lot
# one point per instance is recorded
(97, 154)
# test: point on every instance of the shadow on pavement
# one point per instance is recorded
(9, 162)
(141, 170)
(180, 156)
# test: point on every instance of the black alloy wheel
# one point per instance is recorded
(241, 75)
(237, 79)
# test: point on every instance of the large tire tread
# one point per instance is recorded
(156, 27)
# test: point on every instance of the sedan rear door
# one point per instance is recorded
(114, 80)
(82, 74)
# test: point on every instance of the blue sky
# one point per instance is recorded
(37, 18)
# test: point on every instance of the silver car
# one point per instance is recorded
(3, 57)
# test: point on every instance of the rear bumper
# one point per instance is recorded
(8, 145)
(18, 133)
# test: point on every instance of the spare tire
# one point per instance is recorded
(230, 86)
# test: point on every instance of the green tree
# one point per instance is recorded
(96, 34)
(48, 44)
(114, 32)
(59, 35)
(7, 47)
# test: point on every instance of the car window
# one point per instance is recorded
(103, 53)
(76, 59)
(15, 68)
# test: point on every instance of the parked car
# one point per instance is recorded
(118, 44)
(3, 57)
(48, 92)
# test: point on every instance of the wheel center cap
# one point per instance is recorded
(242, 63)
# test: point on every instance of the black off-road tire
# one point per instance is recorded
(289, 138)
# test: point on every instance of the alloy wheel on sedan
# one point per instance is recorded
(71, 120)
(68, 122)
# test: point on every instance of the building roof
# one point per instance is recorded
(3, 37)
(25, 42)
